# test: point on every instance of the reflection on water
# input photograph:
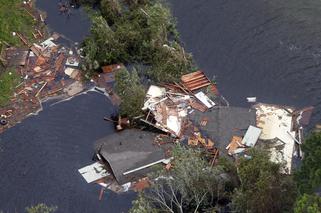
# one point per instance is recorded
(269, 49)
(39, 158)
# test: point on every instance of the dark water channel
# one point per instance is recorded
(268, 49)
(74, 27)
(40, 158)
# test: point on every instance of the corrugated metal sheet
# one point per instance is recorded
(195, 80)
(251, 136)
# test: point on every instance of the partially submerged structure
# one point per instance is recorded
(129, 153)
(192, 111)
(223, 123)
(128, 156)
(167, 107)
(282, 130)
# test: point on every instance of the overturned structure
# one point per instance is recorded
(130, 154)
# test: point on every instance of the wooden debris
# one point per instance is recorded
(43, 86)
(195, 80)
(234, 144)
(59, 62)
(204, 121)
(197, 105)
(210, 143)
(23, 39)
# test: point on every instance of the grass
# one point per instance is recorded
(14, 18)
(8, 81)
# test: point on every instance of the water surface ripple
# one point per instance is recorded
(268, 49)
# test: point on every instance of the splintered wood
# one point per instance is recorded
(234, 144)
(197, 105)
(59, 62)
(204, 121)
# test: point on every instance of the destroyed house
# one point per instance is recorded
(223, 123)
(129, 154)
(16, 57)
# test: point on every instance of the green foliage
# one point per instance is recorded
(308, 204)
(110, 10)
(309, 175)
(101, 47)
(131, 92)
(191, 185)
(141, 205)
(169, 63)
(263, 188)
(8, 80)
(13, 18)
(136, 31)
(41, 208)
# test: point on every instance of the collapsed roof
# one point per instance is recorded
(276, 124)
(129, 153)
(224, 123)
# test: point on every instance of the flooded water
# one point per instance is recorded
(74, 27)
(39, 158)
(268, 49)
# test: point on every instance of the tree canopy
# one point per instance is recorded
(41, 208)
(263, 187)
(308, 204)
(309, 175)
(192, 185)
(131, 92)
(136, 31)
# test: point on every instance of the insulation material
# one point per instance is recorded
(174, 124)
(156, 92)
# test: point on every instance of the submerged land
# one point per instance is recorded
(172, 110)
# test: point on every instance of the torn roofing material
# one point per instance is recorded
(195, 80)
(224, 123)
(276, 124)
(16, 57)
(128, 150)
(302, 117)
(93, 172)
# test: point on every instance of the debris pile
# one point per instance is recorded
(167, 107)
(46, 69)
(193, 113)
(278, 129)
(105, 80)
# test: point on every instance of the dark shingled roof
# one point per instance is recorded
(225, 122)
(127, 150)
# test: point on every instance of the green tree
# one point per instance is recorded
(308, 204)
(41, 208)
(111, 10)
(102, 47)
(263, 188)
(169, 63)
(192, 185)
(131, 92)
(136, 31)
(309, 174)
